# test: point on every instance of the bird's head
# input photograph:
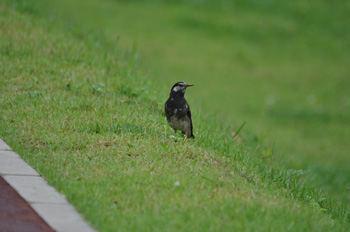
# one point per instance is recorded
(179, 88)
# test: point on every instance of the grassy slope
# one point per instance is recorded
(282, 67)
(78, 110)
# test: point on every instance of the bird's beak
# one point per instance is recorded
(188, 85)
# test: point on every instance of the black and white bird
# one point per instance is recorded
(178, 111)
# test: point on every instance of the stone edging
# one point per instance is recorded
(43, 198)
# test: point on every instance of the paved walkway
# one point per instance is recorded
(28, 203)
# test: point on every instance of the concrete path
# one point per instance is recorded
(51, 206)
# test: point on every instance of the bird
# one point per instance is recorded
(177, 110)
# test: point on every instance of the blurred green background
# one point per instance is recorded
(282, 66)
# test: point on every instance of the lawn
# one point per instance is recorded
(88, 115)
(282, 67)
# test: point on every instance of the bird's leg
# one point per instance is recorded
(185, 138)
(175, 132)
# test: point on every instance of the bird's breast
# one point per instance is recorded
(183, 124)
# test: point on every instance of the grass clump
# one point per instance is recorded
(81, 113)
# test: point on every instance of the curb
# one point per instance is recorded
(51, 206)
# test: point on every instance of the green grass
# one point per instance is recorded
(282, 67)
(84, 114)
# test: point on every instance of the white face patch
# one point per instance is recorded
(176, 88)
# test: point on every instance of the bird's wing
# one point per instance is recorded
(167, 110)
(190, 116)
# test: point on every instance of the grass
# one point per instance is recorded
(282, 67)
(84, 114)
